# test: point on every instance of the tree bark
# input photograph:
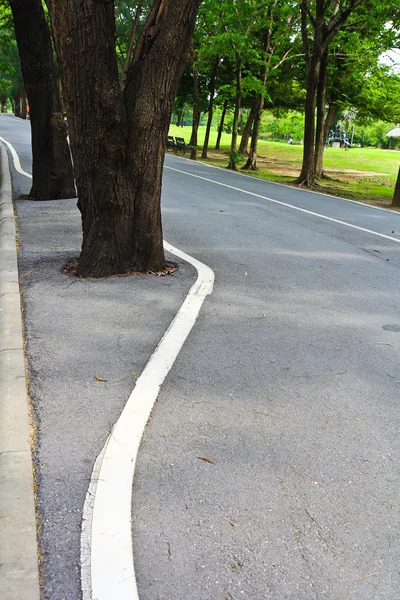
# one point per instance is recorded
(319, 130)
(210, 107)
(396, 195)
(221, 125)
(244, 142)
(52, 175)
(307, 174)
(119, 138)
(196, 114)
(232, 160)
(251, 163)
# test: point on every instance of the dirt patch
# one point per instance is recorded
(274, 165)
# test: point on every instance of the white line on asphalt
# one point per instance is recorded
(286, 185)
(287, 205)
(17, 164)
(106, 542)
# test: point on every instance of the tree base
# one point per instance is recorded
(304, 182)
(251, 165)
(71, 269)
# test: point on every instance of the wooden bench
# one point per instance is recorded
(171, 143)
(181, 145)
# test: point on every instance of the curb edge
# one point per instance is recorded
(19, 574)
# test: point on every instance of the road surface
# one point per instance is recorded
(269, 467)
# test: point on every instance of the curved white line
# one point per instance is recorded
(107, 568)
(287, 205)
(15, 157)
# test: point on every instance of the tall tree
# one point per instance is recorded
(52, 175)
(119, 138)
(272, 31)
(320, 22)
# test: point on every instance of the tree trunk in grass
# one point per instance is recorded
(307, 175)
(210, 107)
(251, 163)
(118, 138)
(196, 114)
(221, 125)
(52, 175)
(396, 195)
(319, 131)
(232, 160)
(244, 142)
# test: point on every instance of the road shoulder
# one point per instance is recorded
(18, 548)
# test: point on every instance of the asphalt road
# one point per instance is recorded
(288, 385)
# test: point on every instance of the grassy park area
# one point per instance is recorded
(362, 174)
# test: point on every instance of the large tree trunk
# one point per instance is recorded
(319, 131)
(196, 114)
(221, 125)
(119, 139)
(210, 107)
(232, 160)
(251, 163)
(52, 175)
(396, 195)
(307, 175)
(244, 142)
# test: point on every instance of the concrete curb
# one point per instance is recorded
(19, 576)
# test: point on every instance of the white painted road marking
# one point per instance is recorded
(287, 205)
(107, 569)
(106, 543)
(15, 157)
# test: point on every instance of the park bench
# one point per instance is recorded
(171, 143)
(181, 145)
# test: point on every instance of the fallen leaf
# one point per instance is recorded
(99, 378)
(384, 344)
(265, 395)
(245, 273)
(205, 459)
(233, 524)
(133, 373)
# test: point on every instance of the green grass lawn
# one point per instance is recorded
(362, 174)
